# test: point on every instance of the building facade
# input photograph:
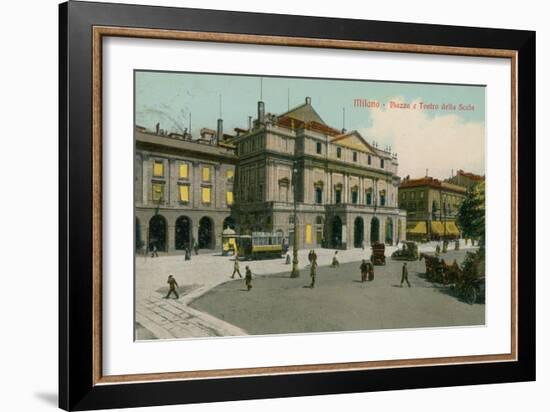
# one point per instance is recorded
(465, 179)
(341, 190)
(183, 189)
(432, 206)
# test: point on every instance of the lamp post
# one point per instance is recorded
(295, 272)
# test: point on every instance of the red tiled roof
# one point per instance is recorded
(431, 182)
(470, 175)
(291, 123)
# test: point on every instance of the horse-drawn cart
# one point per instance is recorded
(467, 280)
(378, 256)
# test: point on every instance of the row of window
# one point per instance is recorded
(354, 196)
(411, 195)
(319, 150)
(158, 194)
(158, 171)
(447, 208)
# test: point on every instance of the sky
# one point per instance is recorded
(440, 137)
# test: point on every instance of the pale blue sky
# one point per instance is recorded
(168, 98)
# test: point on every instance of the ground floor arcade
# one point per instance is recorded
(173, 230)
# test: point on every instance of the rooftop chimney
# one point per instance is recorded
(261, 112)
(157, 128)
(249, 123)
(308, 100)
(220, 130)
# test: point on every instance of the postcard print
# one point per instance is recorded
(279, 205)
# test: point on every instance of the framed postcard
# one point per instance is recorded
(259, 206)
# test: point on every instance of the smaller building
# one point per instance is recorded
(432, 207)
(465, 179)
(183, 189)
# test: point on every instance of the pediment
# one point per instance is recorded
(355, 141)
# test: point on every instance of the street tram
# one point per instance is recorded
(259, 245)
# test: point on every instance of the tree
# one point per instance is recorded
(471, 213)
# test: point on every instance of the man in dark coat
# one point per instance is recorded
(173, 285)
(313, 273)
(405, 275)
(364, 270)
(371, 270)
(248, 278)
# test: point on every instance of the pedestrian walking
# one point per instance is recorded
(248, 278)
(187, 253)
(196, 247)
(313, 273)
(236, 269)
(310, 256)
(364, 270)
(314, 256)
(173, 285)
(335, 262)
(370, 268)
(287, 261)
(154, 252)
(405, 275)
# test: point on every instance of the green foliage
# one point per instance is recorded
(473, 265)
(471, 214)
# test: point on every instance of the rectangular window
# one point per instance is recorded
(184, 171)
(421, 195)
(229, 197)
(369, 160)
(308, 234)
(338, 196)
(261, 192)
(369, 197)
(184, 193)
(205, 174)
(229, 174)
(354, 196)
(412, 196)
(382, 199)
(206, 192)
(338, 152)
(318, 195)
(158, 192)
(354, 156)
(382, 163)
(319, 148)
(404, 196)
(158, 169)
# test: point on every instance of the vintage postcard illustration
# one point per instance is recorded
(277, 205)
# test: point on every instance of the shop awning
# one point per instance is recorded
(451, 229)
(417, 228)
(437, 228)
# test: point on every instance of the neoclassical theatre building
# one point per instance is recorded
(189, 190)
(346, 189)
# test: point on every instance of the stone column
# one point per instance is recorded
(346, 188)
(195, 183)
(361, 197)
(217, 187)
(171, 236)
(146, 179)
(329, 188)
